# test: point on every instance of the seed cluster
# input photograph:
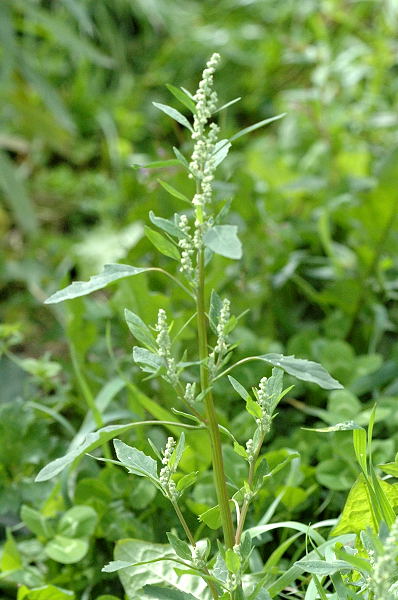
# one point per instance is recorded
(167, 470)
(263, 398)
(202, 165)
(164, 347)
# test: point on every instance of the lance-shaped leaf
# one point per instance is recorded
(306, 370)
(139, 329)
(111, 273)
(169, 226)
(174, 114)
(162, 244)
(136, 461)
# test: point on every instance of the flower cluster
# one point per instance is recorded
(164, 347)
(187, 247)
(385, 567)
(202, 165)
(167, 470)
(225, 313)
(263, 399)
(190, 393)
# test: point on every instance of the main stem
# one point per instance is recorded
(212, 424)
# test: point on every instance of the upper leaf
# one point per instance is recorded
(111, 273)
(174, 114)
(223, 239)
(136, 461)
(306, 370)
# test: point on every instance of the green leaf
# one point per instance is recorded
(36, 522)
(111, 273)
(186, 481)
(180, 547)
(182, 97)
(173, 192)
(78, 522)
(148, 361)
(239, 450)
(157, 593)
(255, 126)
(10, 559)
(232, 561)
(323, 567)
(45, 592)
(136, 461)
(162, 244)
(253, 408)
(274, 388)
(212, 516)
(174, 114)
(159, 164)
(90, 442)
(156, 573)
(305, 370)
(345, 426)
(390, 468)
(220, 153)
(359, 440)
(224, 106)
(169, 226)
(215, 310)
(243, 393)
(223, 240)
(66, 550)
(139, 329)
(357, 514)
(177, 454)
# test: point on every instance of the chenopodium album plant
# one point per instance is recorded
(192, 237)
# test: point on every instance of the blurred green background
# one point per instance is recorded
(314, 195)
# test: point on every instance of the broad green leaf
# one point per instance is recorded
(357, 513)
(323, 567)
(148, 361)
(136, 461)
(78, 522)
(232, 560)
(305, 370)
(174, 114)
(182, 97)
(111, 273)
(139, 329)
(45, 592)
(167, 225)
(66, 550)
(255, 126)
(212, 516)
(35, 521)
(244, 394)
(157, 593)
(155, 573)
(180, 547)
(390, 468)
(173, 192)
(223, 240)
(162, 244)
(10, 559)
